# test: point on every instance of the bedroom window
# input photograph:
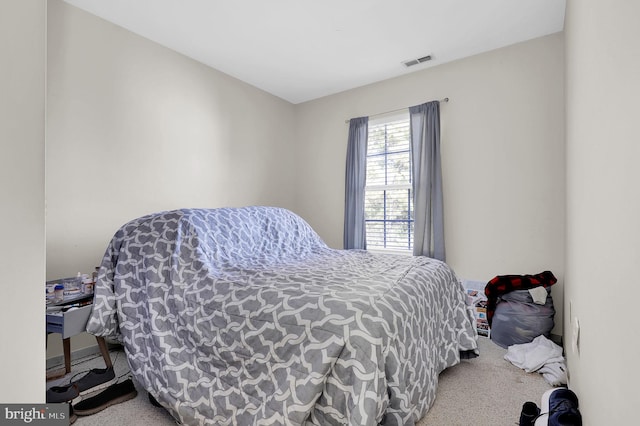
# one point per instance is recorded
(388, 201)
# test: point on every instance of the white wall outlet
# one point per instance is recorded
(575, 336)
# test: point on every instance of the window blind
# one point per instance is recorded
(388, 197)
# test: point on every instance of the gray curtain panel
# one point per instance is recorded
(427, 180)
(354, 226)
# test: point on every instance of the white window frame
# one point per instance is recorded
(387, 118)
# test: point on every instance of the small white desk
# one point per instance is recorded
(72, 321)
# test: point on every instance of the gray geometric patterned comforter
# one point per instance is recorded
(243, 316)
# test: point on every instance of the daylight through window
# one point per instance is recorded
(388, 197)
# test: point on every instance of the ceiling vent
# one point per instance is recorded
(413, 62)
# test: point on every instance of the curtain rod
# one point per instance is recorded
(396, 110)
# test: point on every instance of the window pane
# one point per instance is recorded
(389, 221)
(376, 140)
(398, 168)
(398, 136)
(388, 210)
(374, 205)
(375, 235)
(398, 235)
(398, 204)
(376, 170)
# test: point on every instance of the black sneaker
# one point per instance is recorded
(114, 394)
(72, 415)
(95, 380)
(529, 414)
(58, 394)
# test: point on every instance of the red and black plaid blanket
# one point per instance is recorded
(503, 284)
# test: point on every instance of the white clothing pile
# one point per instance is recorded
(541, 355)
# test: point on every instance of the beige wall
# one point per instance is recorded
(135, 128)
(603, 207)
(22, 136)
(502, 153)
(112, 96)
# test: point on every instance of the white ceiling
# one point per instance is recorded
(301, 50)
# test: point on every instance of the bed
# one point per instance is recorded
(244, 316)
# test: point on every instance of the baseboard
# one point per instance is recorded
(58, 360)
(557, 339)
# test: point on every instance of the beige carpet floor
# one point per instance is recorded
(485, 391)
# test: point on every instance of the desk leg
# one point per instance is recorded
(56, 374)
(66, 344)
(104, 351)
